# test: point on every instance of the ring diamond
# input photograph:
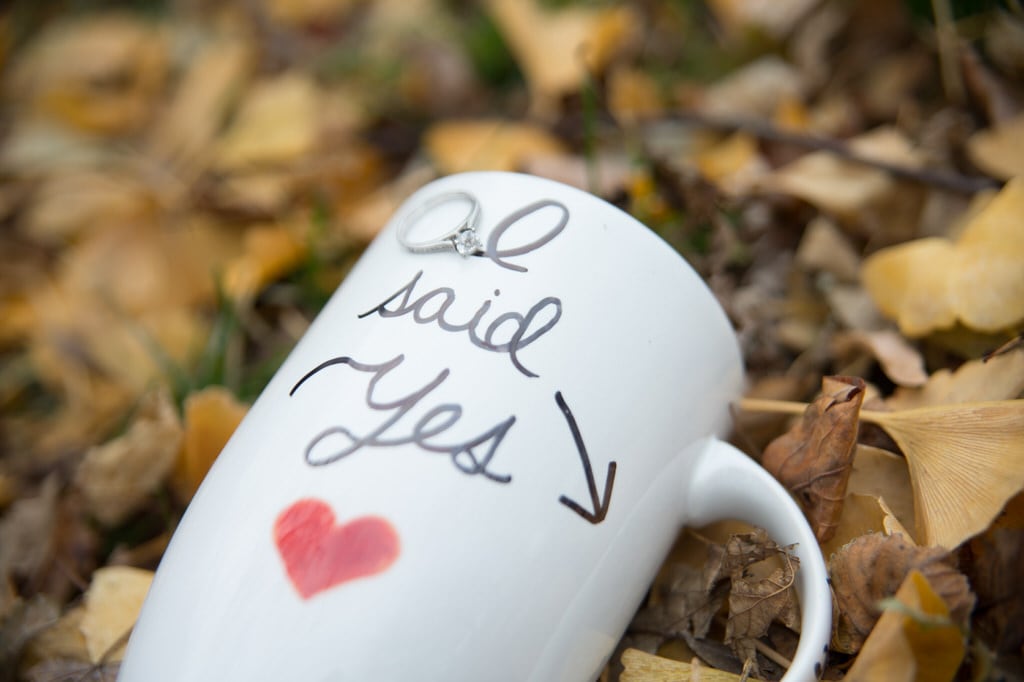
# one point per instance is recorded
(462, 239)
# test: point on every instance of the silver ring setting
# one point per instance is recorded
(462, 239)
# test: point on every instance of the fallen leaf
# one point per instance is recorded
(871, 568)
(20, 622)
(813, 459)
(269, 251)
(27, 532)
(930, 283)
(900, 361)
(491, 144)
(309, 13)
(63, 639)
(733, 164)
(824, 247)
(277, 123)
(999, 151)
(686, 606)
(915, 640)
(112, 604)
(966, 461)
(847, 190)
(643, 667)
(186, 127)
(995, 560)
(633, 96)
(999, 378)
(558, 49)
(754, 90)
(881, 474)
(118, 477)
(738, 552)
(739, 17)
(211, 416)
(862, 515)
(60, 669)
(754, 604)
(102, 73)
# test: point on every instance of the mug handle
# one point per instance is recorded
(724, 483)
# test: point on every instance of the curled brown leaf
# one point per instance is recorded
(814, 458)
(872, 567)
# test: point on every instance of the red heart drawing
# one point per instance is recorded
(318, 554)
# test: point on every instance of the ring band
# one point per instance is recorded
(462, 239)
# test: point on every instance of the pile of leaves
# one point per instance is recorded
(184, 183)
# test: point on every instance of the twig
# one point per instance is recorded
(945, 32)
(772, 655)
(948, 180)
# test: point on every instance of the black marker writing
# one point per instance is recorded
(600, 504)
(432, 424)
(433, 307)
(497, 254)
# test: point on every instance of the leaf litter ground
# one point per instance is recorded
(845, 176)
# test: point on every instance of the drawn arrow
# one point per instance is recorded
(600, 505)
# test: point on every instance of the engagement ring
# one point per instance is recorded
(462, 238)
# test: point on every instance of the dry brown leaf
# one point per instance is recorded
(269, 251)
(755, 90)
(182, 134)
(992, 563)
(900, 361)
(999, 378)
(733, 164)
(490, 144)
(61, 669)
(211, 416)
(862, 515)
(67, 204)
(930, 283)
(62, 640)
(558, 49)
(814, 458)
(871, 568)
(824, 247)
(966, 461)
(881, 474)
(755, 603)
(914, 640)
(27, 532)
(276, 124)
(118, 477)
(112, 604)
(309, 13)
(999, 151)
(644, 667)
(738, 552)
(777, 19)
(841, 187)
(686, 605)
(633, 95)
(101, 74)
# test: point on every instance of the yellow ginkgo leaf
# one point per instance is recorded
(459, 146)
(112, 604)
(966, 461)
(911, 283)
(999, 151)
(557, 49)
(913, 641)
(277, 123)
(644, 667)
(211, 416)
(929, 284)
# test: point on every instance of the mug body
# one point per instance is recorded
(460, 471)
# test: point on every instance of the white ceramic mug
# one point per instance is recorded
(471, 467)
